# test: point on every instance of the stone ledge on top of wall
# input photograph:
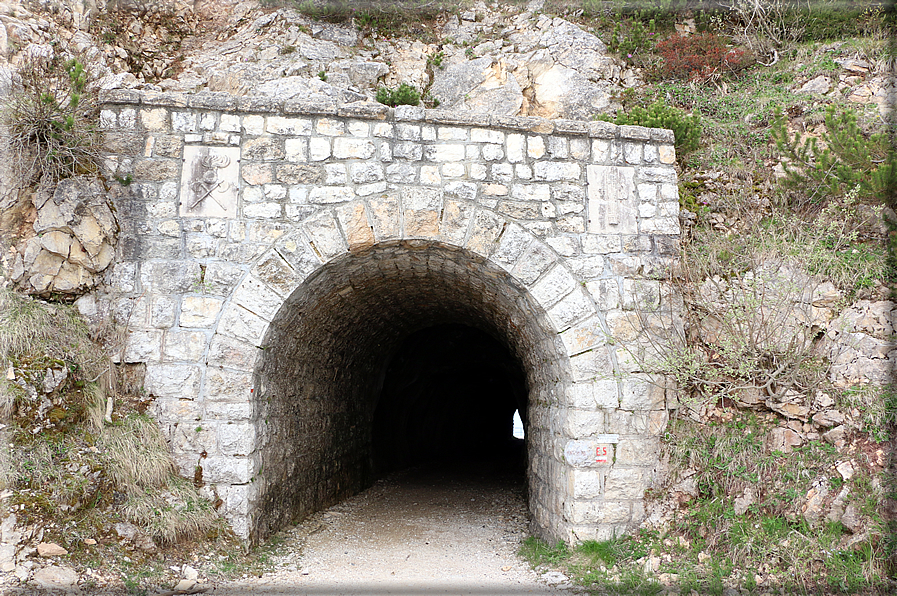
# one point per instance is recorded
(230, 103)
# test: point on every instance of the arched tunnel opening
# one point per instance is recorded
(409, 353)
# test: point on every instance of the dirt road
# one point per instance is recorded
(426, 531)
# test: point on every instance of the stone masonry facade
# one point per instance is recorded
(271, 255)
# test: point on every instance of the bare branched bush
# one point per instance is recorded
(754, 304)
(49, 121)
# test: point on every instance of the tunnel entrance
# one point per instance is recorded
(449, 396)
(404, 354)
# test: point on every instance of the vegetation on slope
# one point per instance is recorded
(737, 508)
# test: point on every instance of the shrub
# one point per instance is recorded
(632, 38)
(403, 95)
(842, 160)
(685, 127)
(51, 121)
(698, 57)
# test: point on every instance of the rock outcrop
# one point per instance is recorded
(75, 230)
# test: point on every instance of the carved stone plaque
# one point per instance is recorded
(209, 181)
(612, 204)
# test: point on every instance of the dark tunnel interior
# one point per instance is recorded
(449, 396)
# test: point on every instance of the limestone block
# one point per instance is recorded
(324, 236)
(408, 150)
(401, 173)
(329, 127)
(598, 512)
(484, 232)
(485, 135)
(660, 225)
(169, 277)
(522, 210)
(232, 353)
(175, 410)
(605, 292)
(515, 147)
(186, 346)
(586, 484)
(531, 192)
(236, 439)
(535, 147)
(327, 195)
(533, 263)
(257, 173)
(556, 284)
(359, 232)
(408, 132)
(447, 152)
(492, 152)
(274, 271)
(172, 380)
(154, 120)
(453, 170)
(228, 385)
(239, 323)
(344, 148)
(263, 210)
(262, 149)
(594, 394)
(513, 242)
(585, 335)
(502, 172)
(570, 309)
(638, 451)
(495, 190)
(641, 294)
(183, 121)
(587, 423)
(553, 171)
(199, 311)
(666, 154)
(632, 153)
(228, 470)
(280, 125)
(642, 392)
(383, 129)
(335, 173)
(385, 217)
(71, 276)
(456, 217)
(220, 277)
(579, 149)
(257, 298)
(318, 149)
(363, 173)
(143, 346)
(626, 483)
(591, 365)
(233, 411)
(421, 208)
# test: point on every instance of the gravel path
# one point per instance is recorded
(424, 531)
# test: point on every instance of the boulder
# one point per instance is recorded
(480, 86)
(55, 577)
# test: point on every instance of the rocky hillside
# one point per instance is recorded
(778, 474)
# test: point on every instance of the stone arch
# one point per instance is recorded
(373, 271)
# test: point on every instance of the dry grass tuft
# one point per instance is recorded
(136, 454)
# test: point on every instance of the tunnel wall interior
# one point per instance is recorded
(274, 255)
